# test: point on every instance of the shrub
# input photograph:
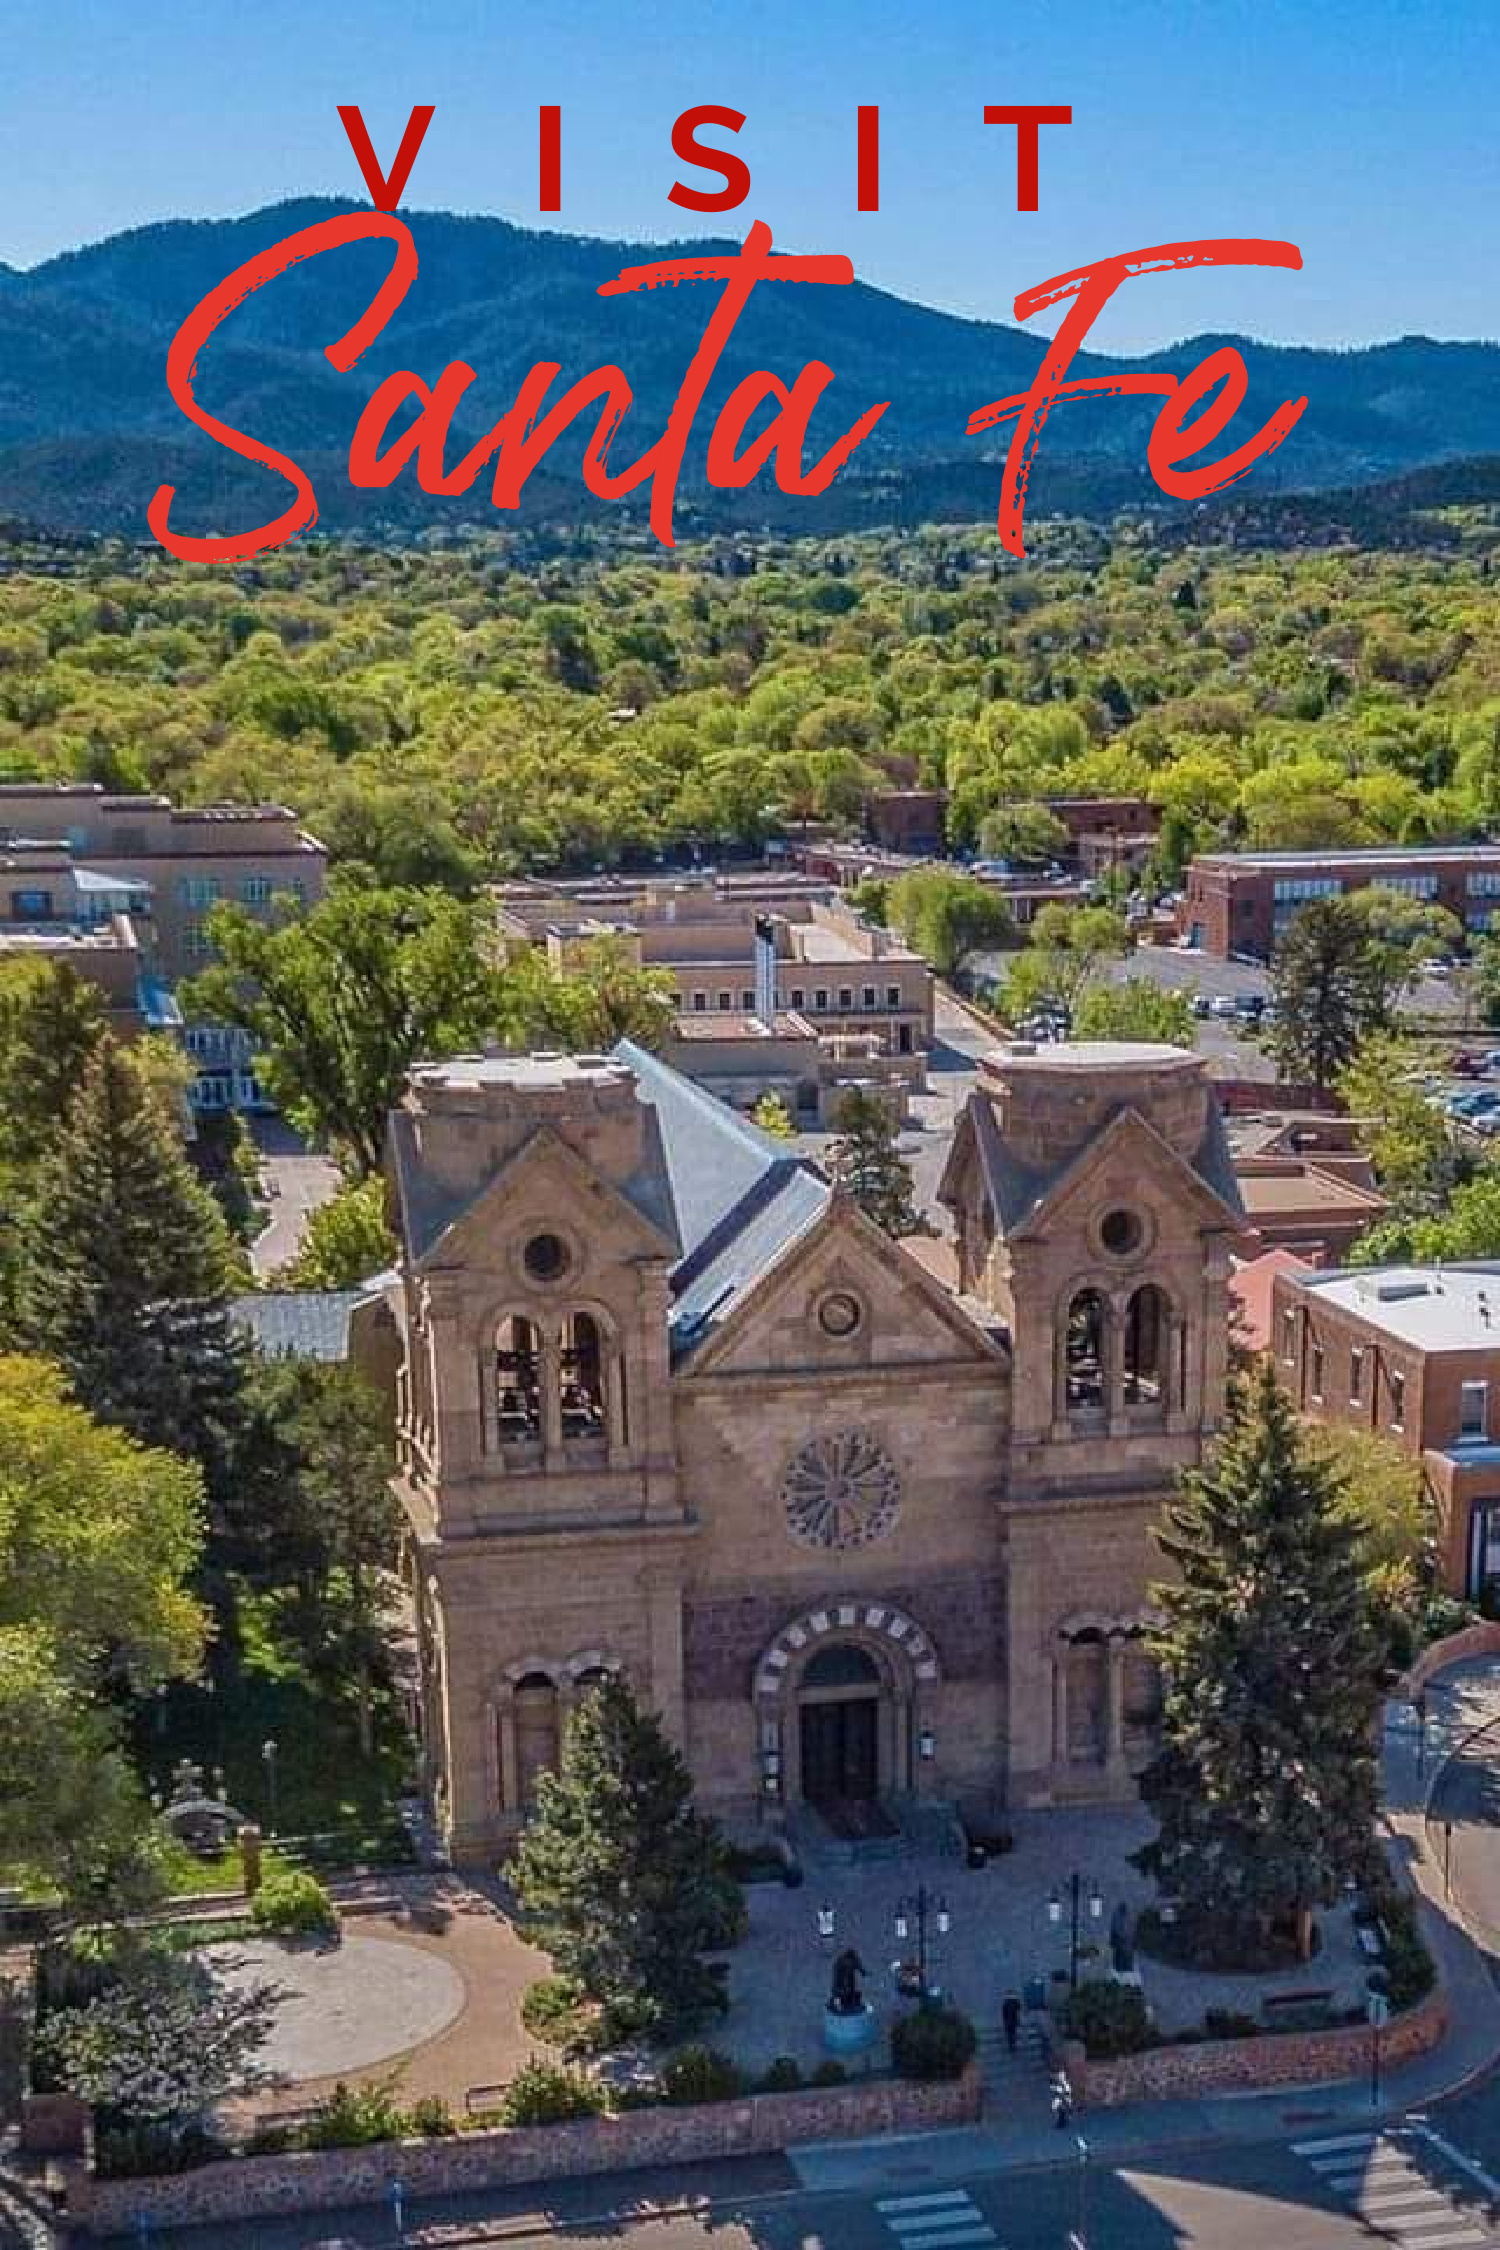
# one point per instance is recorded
(294, 1905)
(933, 2043)
(137, 2151)
(1409, 1971)
(1229, 2023)
(829, 2073)
(554, 2009)
(432, 2118)
(783, 2076)
(1110, 2019)
(701, 2074)
(356, 2117)
(547, 2093)
(756, 1863)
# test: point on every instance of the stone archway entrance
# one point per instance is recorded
(839, 1728)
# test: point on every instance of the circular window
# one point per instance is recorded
(841, 1491)
(545, 1257)
(1121, 1232)
(840, 1314)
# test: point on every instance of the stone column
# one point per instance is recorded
(1113, 1359)
(548, 1354)
(1115, 1703)
(1060, 1704)
(509, 1777)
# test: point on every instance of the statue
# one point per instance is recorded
(845, 1999)
(1122, 1939)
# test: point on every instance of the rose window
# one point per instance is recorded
(841, 1491)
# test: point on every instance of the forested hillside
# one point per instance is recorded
(447, 713)
(88, 429)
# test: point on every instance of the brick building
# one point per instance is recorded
(1413, 1354)
(1241, 902)
(670, 1406)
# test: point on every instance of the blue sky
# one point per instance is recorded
(1363, 132)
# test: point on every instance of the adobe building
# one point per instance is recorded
(671, 1407)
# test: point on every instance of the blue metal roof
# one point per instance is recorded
(739, 1199)
(299, 1323)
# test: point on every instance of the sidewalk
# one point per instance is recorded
(1460, 1701)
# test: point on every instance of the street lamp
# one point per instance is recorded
(1055, 1915)
(1447, 1859)
(1421, 1700)
(270, 1750)
(1377, 2009)
(825, 1924)
(923, 1910)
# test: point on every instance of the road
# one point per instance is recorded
(1311, 2191)
(296, 1182)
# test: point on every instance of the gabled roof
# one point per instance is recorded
(1018, 1191)
(738, 1199)
(304, 1323)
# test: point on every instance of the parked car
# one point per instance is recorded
(1201, 1005)
(1222, 1006)
(1467, 1065)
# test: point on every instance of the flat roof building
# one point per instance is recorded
(1241, 902)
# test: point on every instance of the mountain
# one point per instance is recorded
(88, 429)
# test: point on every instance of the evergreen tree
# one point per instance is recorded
(630, 1885)
(1327, 982)
(866, 1162)
(1265, 1786)
(123, 1269)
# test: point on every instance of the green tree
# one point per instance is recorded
(606, 996)
(867, 1164)
(1264, 1790)
(947, 917)
(772, 1116)
(1406, 1136)
(343, 1000)
(1468, 1227)
(51, 1024)
(1402, 933)
(630, 1886)
(98, 1538)
(123, 1270)
(1069, 946)
(1025, 832)
(345, 1241)
(1326, 983)
(1136, 1009)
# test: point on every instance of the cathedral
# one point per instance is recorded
(869, 1523)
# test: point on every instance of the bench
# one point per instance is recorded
(1314, 1996)
(480, 2098)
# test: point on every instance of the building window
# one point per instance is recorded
(31, 906)
(846, 999)
(870, 996)
(1398, 1402)
(1084, 1351)
(726, 1002)
(197, 890)
(518, 1382)
(582, 1378)
(700, 1003)
(1289, 1338)
(1473, 1413)
(1317, 1373)
(893, 995)
(820, 999)
(799, 997)
(747, 1002)
(1484, 886)
(195, 942)
(1356, 1376)
(255, 890)
(1147, 1328)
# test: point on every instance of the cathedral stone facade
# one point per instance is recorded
(868, 1524)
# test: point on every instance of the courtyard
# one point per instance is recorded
(429, 1985)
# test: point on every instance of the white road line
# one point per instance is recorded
(977, 2233)
(935, 2223)
(923, 2202)
(1414, 2201)
(1327, 2148)
(1448, 2241)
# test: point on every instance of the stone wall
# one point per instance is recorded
(1280, 2058)
(253, 2187)
(1482, 1639)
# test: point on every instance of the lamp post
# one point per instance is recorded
(1377, 2009)
(1055, 1914)
(1447, 1859)
(922, 1910)
(826, 1926)
(270, 1750)
(1421, 1732)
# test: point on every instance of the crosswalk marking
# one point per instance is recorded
(1383, 2182)
(947, 2219)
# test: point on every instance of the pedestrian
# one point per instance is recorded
(1010, 2017)
(1062, 2101)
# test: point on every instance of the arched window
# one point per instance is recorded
(844, 1665)
(1085, 1350)
(1147, 1334)
(518, 1382)
(582, 1377)
(1088, 1693)
(538, 1733)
